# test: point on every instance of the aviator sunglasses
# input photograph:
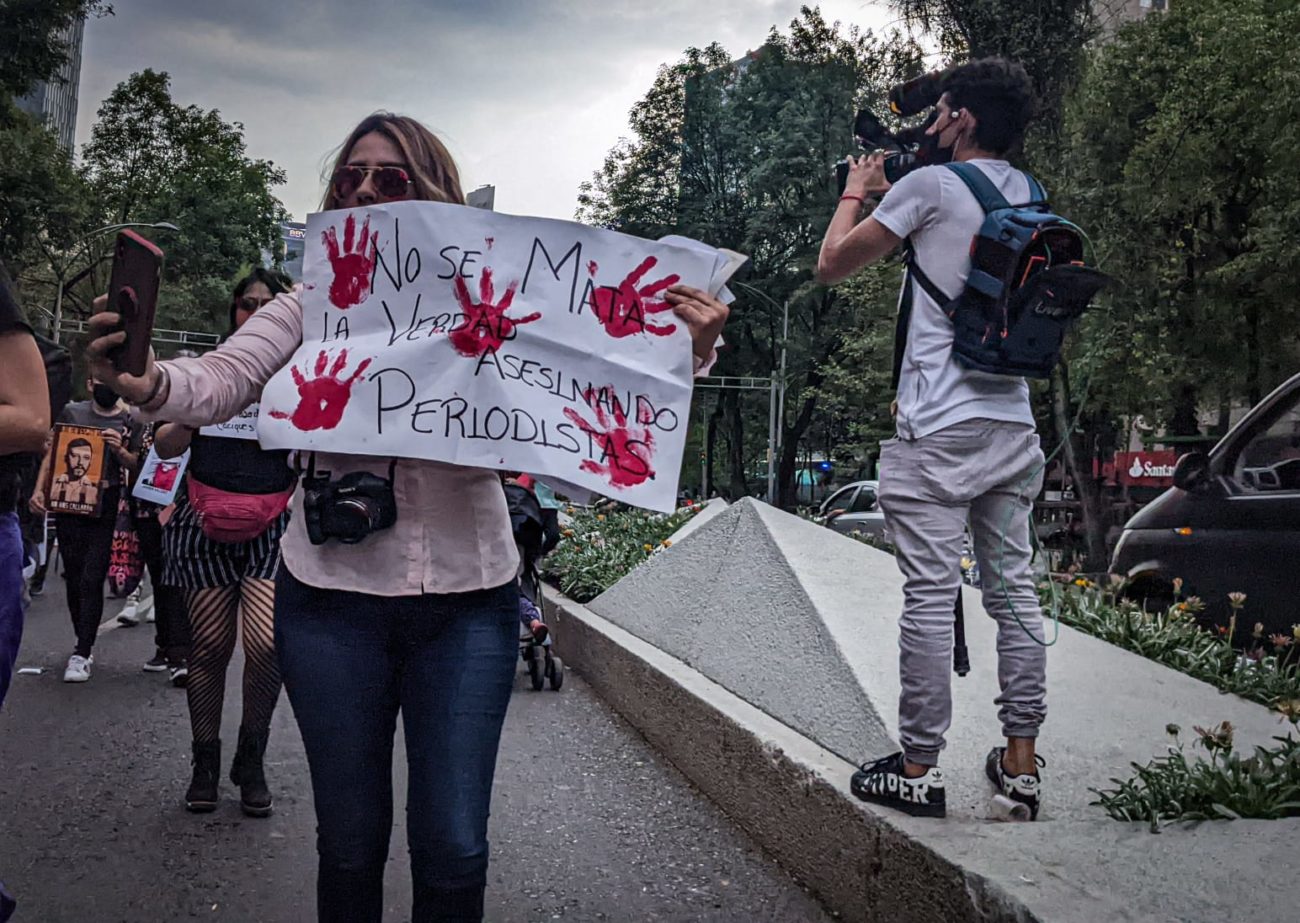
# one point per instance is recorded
(390, 182)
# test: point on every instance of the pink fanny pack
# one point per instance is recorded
(231, 517)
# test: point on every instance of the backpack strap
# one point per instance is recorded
(902, 323)
(985, 192)
(1037, 194)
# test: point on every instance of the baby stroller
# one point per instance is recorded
(536, 532)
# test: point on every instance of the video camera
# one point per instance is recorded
(909, 148)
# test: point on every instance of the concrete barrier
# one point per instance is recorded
(707, 514)
(760, 656)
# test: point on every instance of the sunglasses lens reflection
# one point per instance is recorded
(390, 182)
(347, 180)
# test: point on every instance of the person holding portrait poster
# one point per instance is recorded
(76, 485)
(398, 595)
(93, 449)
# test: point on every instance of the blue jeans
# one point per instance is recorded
(11, 597)
(351, 662)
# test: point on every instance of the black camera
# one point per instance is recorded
(909, 148)
(350, 508)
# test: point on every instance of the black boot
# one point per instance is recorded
(246, 772)
(202, 796)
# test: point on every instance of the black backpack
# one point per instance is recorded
(1027, 285)
(58, 374)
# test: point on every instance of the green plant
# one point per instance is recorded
(1264, 785)
(1264, 670)
(601, 545)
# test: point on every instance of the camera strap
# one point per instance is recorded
(311, 468)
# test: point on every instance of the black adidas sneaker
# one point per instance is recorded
(1025, 789)
(885, 782)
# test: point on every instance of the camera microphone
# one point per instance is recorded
(917, 94)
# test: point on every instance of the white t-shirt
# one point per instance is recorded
(936, 209)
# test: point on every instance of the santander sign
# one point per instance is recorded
(1148, 469)
(1145, 469)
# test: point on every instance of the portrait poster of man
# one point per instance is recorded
(77, 470)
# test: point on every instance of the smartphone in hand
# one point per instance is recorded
(133, 294)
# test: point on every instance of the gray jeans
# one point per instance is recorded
(987, 472)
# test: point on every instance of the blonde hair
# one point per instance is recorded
(432, 170)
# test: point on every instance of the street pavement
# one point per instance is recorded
(588, 823)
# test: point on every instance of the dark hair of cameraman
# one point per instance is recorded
(966, 451)
(999, 97)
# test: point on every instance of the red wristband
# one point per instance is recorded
(857, 198)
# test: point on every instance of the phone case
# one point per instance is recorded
(133, 293)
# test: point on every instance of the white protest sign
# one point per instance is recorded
(465, 336)
(160, 478)
(242, 425)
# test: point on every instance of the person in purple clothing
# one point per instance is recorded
(24, 426)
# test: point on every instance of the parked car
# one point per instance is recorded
(853, 509)
(1230, 524)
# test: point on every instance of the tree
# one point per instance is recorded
(41, 197)
(151, 159)
(32, 47)
(1156, 140)
(740, 154)
(1181, 149)
(1048, 37)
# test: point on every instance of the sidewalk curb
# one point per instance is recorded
(790, 795)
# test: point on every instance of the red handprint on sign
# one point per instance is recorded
(625, 451)
(485, 326)
(353, 264)
(323, 398)
(625, 311)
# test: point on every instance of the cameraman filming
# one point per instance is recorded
(965, 447)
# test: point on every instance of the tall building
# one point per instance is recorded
(54, 101)
(482, 197)
(293, 235)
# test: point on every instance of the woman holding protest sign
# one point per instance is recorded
(417, 614)
(222, 547)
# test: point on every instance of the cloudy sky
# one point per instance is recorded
(528, 94)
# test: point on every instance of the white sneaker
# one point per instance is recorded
(129, 615)
(78, 670)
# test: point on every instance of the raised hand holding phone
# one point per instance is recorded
(133, 296)
(107, 335)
